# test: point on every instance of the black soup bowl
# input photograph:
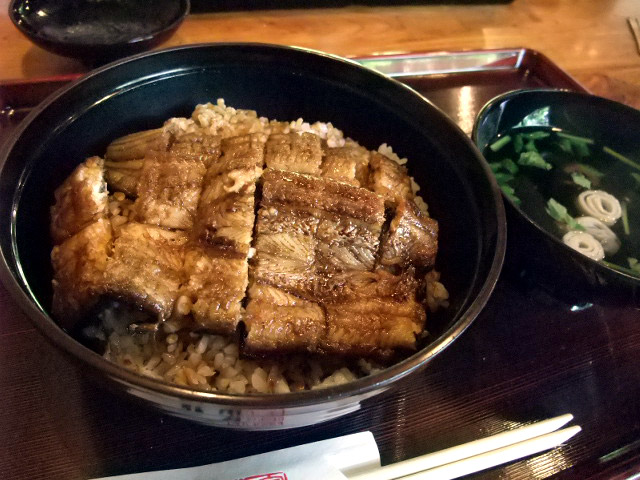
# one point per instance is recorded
(279, 82)
(598, 142)
(97, 31)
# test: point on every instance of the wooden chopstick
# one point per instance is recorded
(493, 458)
(468, 455)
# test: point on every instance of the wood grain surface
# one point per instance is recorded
(588, 38)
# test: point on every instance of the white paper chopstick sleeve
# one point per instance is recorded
(329, 459)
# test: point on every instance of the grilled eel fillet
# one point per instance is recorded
(334, 250)
(80, 200)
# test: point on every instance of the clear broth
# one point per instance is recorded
(534, 186)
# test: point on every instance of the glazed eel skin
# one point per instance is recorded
(296, 246)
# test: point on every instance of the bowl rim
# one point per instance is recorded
(360, 386)
(28, 31)
(562, 92)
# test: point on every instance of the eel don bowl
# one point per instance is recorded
(279, 82)
(569, 165)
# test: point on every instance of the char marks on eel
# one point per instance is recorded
(324, 244)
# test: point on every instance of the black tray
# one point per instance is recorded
(531, 354)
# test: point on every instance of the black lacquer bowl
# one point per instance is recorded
(279, 82)
(97, 30)
(535, 249)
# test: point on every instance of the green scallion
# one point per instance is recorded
(625, 218)
(495, 166)
(510, 166)
(559, 212)
(508, 189)
(534, 159)
(556, 210)
(565, 145)
(581, 180)
(518, 144)
(503, 177)
(621, 157)
(510, 193)
(575, 138)
(579, 145)
(530, 146)
(498, 144)
(537, 135)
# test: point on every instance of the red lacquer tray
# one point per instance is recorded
(530, 355)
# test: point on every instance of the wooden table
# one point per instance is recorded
(76, 430)
(588, 38)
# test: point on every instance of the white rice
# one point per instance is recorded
(437, 295)
(326, 131)
(220, 119)
(212, 362)
(388, 152)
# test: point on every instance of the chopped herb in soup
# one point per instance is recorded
(586, 194)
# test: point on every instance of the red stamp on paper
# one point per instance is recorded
(267, 476)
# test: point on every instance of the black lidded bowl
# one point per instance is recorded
(534, 250)
(279, 82)
(97, 31)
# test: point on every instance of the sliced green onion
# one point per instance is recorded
(530, 146)
(581, 180)
(625, 218)
(518, 144)
(495, 166)
(510, 166)
(514, 199)
(498, 144)
(622, 158)
(534, 159)
(503, 177)
(575, 138)
(508, 189)
(510, 193)
(537, 135)
(636, 177)
(559, 212)
(556, 210)
(573, 225)
(578, 144)
(565, 145)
